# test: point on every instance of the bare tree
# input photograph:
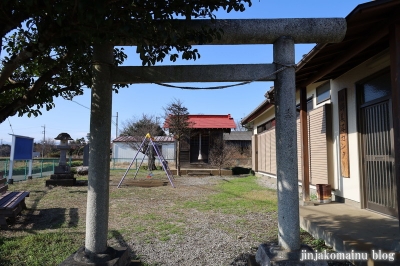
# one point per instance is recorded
(222, 154)
(76, 146)
(138, 128)
(5, 150)
(240, 127)
(47, 146)
(177, 120)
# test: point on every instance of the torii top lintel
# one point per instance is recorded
(267, 31)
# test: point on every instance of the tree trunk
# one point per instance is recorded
(151, 159)
(178, 158)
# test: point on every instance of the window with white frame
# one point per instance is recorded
(323, 92)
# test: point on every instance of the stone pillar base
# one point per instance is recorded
(61, 182)
(270, 254)
(306, 203)
(118, 256)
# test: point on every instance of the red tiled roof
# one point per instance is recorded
(209, 121)
(212, 121)
(137, 139)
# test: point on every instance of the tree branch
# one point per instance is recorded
(14, 63)
(29, 98)
(12, 86)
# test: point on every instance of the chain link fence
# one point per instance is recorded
(45, 167)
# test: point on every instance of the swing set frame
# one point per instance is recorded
(150, 143)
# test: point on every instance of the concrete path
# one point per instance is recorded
(350, 229)
(346, 228)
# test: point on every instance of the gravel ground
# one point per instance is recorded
(209, 238)
(137, 216)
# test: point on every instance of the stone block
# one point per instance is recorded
(271, 254)
(62, 169)
(118, 256)
(61, 182)
(62, 176)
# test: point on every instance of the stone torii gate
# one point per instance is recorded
(283, 34)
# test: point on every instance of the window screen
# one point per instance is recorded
(323, 92)
(376, 88)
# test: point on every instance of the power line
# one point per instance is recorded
(10, 125)
(115, 124)
(80, 104)
(228, 86)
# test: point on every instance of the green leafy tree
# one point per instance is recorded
(177, 121)
(138, 128)
(46, 45)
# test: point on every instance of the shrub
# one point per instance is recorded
(76, 163)
(55, 154)
(242, 171)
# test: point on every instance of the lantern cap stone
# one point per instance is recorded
(63, 136)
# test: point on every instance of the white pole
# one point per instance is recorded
(30, 169)
(200, 157)
(10, 171)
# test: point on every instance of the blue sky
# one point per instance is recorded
(73, 117)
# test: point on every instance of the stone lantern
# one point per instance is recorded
(63, 147)
(62, 173)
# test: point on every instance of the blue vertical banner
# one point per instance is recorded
(21, 149)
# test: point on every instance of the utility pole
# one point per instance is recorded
(44, 139)
(116, 127)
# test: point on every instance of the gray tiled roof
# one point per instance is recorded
(238, 135)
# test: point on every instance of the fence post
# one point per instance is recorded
(30, 168)
(26, 166)
(41, 168)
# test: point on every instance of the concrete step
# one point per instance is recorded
(202, 172)
(199, 172)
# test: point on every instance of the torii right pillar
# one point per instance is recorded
(286, 140)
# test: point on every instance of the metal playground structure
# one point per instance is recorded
(148, 142)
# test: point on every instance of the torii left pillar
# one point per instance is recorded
(96, 250)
